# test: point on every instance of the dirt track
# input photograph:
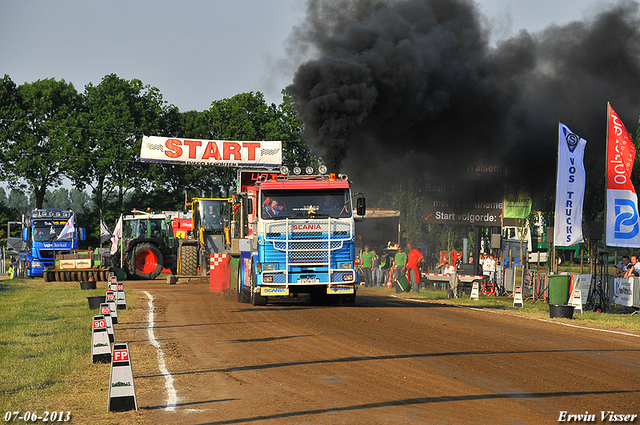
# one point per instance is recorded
(385, 360)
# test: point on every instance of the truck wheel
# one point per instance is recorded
(147, 261)
(188, 260)
(256, 298)
(244, 296)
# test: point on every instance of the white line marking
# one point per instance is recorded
(523, 317)
(172, 397)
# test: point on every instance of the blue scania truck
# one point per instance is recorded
(40, 243)
(297, 236)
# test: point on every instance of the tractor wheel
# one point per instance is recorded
(147, 261)
(188, 260)
(45, 276)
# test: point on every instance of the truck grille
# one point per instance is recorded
(308, 242)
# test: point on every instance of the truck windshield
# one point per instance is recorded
(42, 232)
(316, 203)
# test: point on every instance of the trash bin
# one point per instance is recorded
(558, 289)
(94, 302)
(402, 284)
(565, 311)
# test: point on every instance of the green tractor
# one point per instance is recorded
(147, 246)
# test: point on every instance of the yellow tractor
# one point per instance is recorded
(210, 218)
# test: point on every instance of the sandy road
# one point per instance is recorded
(384, 361)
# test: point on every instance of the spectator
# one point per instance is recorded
(446, 268)
(376, 273)
(399, 262)
(414, 258)
(491, 267)
(385, 265)
(483, 256)
(622, 267)
(366, 259)
(633, 269)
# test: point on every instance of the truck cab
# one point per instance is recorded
(41, 240)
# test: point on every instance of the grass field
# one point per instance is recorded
(45, 340)
(45, 351)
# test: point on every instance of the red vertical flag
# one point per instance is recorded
(623, 228)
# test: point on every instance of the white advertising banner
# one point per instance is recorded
(221, 153)
(622, 227)
(623, 291)
(570, 188)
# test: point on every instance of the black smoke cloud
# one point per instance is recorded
(410, 88)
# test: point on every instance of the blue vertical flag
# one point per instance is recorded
(569, 188)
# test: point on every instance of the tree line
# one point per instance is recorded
(50, 134)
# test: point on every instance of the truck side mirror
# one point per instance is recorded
(361, 206)
(83, 234)
(25, 234)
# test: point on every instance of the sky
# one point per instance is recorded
(195, 51)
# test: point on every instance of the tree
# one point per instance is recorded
(35, 149)
(19, 201)
(408, 199)
(117, 114)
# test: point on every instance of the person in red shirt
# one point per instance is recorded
(414, 258)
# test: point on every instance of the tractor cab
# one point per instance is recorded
(149, 245)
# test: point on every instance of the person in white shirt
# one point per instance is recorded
(491, 267)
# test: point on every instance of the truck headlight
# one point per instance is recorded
(346, 266)
(36, 264)
(269, 267)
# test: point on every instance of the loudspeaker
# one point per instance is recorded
(550, 235)
(495, 241)
(595, 232)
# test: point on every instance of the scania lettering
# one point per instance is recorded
(295, 233)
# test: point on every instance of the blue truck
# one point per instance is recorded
(297, 236)
(39, 241)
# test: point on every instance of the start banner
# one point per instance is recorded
(623, 228)
(221, 153)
